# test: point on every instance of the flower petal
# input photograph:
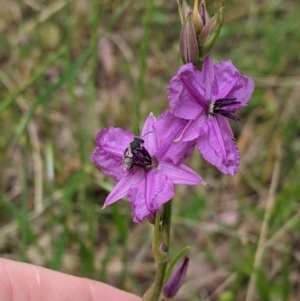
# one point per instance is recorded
(108, 154)
(110, 164)
(191, 130)
(180, 174)
(231, 83)
(209, 77)
(179, 151)
(166, 129)
(114, 140)
(122, 187)
(150, 197)
(186, 93)
(148, 135)
(217, 146)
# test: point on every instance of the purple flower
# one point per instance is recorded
(148, 167)
(208, 98)
(176, 279)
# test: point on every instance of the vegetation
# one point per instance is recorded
(70, 68)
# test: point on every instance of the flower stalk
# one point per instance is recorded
(160, 247)
(203, 96)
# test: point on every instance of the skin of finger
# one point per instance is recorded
(26, 282)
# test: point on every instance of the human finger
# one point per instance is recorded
(25, 282)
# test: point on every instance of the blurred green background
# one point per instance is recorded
(70, 68)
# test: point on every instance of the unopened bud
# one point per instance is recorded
(200, 15)
(188, 44)
(210, 32)
(184, 10)
(151, 218)
(199, 31)
(176, 279)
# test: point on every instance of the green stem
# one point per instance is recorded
(160, 246)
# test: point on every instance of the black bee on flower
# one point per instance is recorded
(136, 155)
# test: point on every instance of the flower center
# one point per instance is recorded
(224, 106)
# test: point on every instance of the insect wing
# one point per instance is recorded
(127, 159)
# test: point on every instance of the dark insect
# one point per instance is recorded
(136, 155)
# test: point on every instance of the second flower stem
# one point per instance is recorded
(160, 246)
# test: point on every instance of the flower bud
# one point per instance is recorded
(188, 44)
(183, 10)
(210, 32)
(176, 279)
(199, 31)
(151, 218)
(200, 15)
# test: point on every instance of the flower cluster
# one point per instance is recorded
(199, 31)
(201, 101)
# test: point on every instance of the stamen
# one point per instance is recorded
(228, 101)
(219, 107)
(229, 115)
